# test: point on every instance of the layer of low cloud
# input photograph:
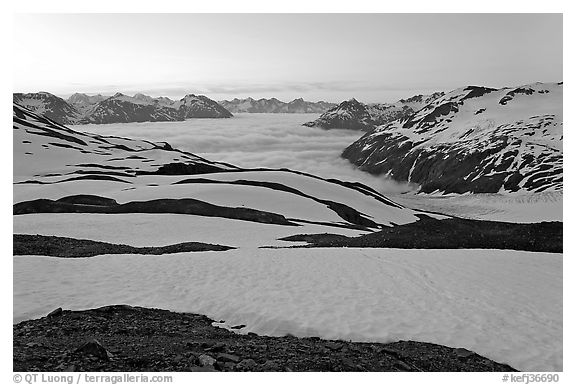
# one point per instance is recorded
(259, 140)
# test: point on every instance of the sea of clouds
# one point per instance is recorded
(258, 140)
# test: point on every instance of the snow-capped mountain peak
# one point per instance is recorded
(52, 106)
(119, 108)
(354, 115)
(199, 106)
(473, 139)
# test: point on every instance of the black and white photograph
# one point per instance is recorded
(287, 192)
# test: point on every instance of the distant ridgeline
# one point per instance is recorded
(120, 108)
(275, 106)
(97, 109)
(472, 139)
(354, 115)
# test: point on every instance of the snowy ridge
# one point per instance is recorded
(119, 108)
(49, 105)
(82, 103)
(193, 106)
(473, 139)
(275, 106)
(123, 109)
(354, 115)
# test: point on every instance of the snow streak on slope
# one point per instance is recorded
(485, 301)
(473, 139)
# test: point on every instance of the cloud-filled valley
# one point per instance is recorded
(258, 140)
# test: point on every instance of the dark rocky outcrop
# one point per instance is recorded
(183, 169)
(453, 233)
(156, 206)
(51, 246)
(135, 339)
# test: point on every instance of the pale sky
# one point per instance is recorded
(372, 57)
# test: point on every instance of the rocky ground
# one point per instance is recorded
(453, 233)
(24, 244)
(125, 338)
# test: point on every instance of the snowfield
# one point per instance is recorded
(482, 300)
(142, 230)
(515, 208)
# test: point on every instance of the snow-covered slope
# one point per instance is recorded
(483, 300)
(43, 147)
(473, 139)
(354, 115)
(120, 108)
(49, 105)
(274, 105)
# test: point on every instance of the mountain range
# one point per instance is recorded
(472, 139)
(354, 115)
(275, 106)
(119, 108)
